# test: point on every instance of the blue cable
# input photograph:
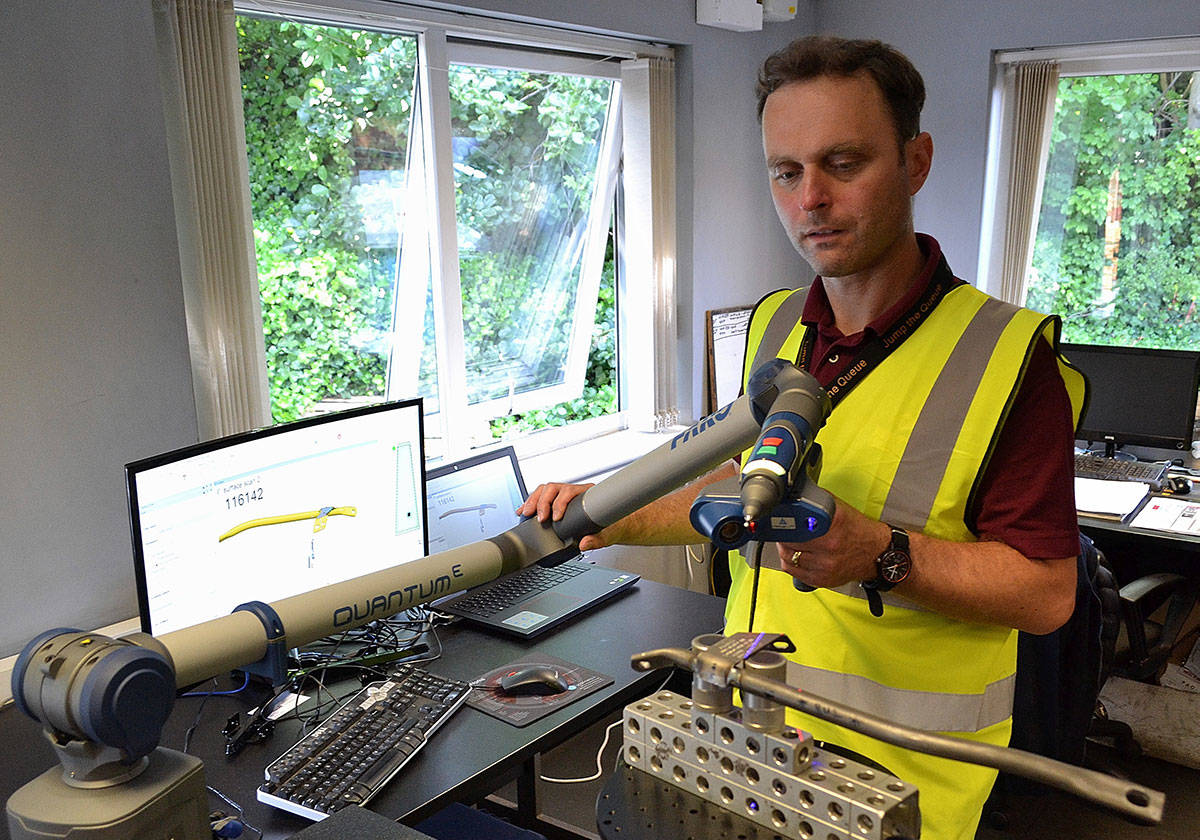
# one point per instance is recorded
(242, 687)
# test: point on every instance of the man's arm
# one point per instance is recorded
(662, 522)
(986, 582)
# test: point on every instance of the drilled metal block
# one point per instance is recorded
(704, 725)
(777, 780)
(790, 750)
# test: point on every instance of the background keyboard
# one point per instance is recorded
(1113, 469)
(362, 745)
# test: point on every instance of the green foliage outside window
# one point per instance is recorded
(1134, 126)
(322, 104)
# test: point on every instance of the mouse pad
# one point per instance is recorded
(521, 711)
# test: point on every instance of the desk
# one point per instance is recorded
(1139, 551)
(472, 754)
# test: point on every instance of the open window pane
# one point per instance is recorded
(1117, 252)
(329, 118)
(527, 158)
(346, 168)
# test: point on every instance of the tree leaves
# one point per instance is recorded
(1135, 125)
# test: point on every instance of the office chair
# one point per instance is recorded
(1058, 683)
(1136, 646)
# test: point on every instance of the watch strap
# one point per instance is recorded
(897, 544)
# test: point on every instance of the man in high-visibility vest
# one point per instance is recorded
(948, 450)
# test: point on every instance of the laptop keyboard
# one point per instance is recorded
(519, 586)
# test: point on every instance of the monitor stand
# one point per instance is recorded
(1113, 450)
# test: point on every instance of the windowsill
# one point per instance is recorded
(591, 459)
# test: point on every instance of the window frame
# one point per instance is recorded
(472, 53)
(1113, 58)
(444, 38)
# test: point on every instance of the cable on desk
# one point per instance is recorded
(241, 814)
(600, 752)
(187, 736)
(599, 759)
(242, 687)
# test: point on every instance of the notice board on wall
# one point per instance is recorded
(726, 340)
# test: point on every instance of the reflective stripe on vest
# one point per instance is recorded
(934, 711)
(911, 498)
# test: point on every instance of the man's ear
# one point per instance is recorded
(918, 157)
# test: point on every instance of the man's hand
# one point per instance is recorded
(845, 553)
(662, 522)
(548, 503)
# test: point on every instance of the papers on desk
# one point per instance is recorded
(1109, 499)
(1163, 513)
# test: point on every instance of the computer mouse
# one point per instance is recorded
(1177, 485)
(532, 680)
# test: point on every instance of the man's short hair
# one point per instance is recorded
(827, 55)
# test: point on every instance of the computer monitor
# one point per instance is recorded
(1137, 396)
(473, 499)
(268, 514)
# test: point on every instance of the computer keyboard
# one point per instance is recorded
(516, 587)
(1113, 469)
(362, 745)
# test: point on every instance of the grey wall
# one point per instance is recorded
(93, 345)
(93, 350)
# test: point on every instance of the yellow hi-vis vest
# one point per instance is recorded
(907, 446)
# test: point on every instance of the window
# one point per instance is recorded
(1116, 233)
(449, 234)
(1117, 248)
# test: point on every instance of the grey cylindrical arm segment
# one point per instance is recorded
(687, 456)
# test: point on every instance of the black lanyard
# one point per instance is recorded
(872, 352)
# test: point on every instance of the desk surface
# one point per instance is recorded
(1099, 527)
(473, 753)
(1102, 529)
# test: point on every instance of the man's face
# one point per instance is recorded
(842, 186)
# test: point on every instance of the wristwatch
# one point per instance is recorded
(893, 566)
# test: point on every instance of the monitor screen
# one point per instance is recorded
(265, 515)
(473, 499)
(1137, 395)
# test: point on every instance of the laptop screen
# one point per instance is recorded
(473, 499)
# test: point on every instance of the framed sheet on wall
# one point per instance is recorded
(726, 347)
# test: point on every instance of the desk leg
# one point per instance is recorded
(528, 813)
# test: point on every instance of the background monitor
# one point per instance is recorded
(473, 499)
(1138, 396)
(265, 515)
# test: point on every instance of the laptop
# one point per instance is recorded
(477, 498)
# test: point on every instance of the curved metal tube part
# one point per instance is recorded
(1136, 803)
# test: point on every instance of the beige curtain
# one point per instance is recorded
(648, 109)
(198, 65)
(1035, 86)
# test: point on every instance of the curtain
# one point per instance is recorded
(198, 67)
(1035, 86)
(648, 311)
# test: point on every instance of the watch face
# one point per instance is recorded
(894, 566)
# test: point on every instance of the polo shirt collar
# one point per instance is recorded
(817, 311)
